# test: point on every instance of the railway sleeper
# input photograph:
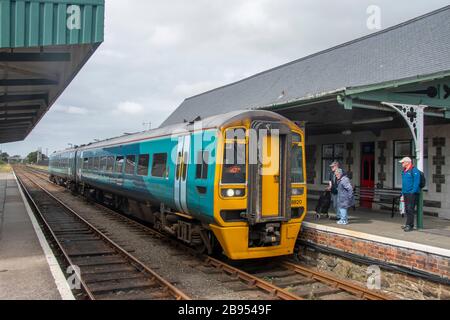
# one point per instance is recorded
(110, 276)
(123, 285)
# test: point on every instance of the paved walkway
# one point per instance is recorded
(380, 223)
(24, 271)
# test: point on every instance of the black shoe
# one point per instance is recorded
(408, 229)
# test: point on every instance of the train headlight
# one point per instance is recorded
(233, 193)
(297, 191)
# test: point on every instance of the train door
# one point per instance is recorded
(269, 177)
(182, 162)
(367, 174)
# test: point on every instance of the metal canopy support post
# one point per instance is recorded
(414, 116)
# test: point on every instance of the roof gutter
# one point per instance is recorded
(397, 83)
(328, 96)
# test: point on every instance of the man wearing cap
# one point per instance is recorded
(333, 187)
(410, 191)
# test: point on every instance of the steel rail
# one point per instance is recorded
(347, 286)
(175, 292)
(252, 281)
(54, 237)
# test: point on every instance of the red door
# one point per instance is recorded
(367, 179)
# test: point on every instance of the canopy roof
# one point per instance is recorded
(43, 45)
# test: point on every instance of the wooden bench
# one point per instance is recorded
(384, 197)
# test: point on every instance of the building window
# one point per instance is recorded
(130, 164)
(119, 164)
(159, 166)
(406, 148)
(143, 164)
(331, 153)
(202, 165)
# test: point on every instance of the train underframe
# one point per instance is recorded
(190, 231)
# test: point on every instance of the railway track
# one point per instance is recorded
(278, 278)
(104, 269)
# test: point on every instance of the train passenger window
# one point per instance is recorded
(234, 164)
(143, 164)
(96, 163)
(110, 164)
(159, 166)
(86, 163)
(202, 165)
(297, 175)
(91, 163)
(130, 164)
(103, 163)
(119, 164)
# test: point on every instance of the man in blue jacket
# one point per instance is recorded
(410, 191)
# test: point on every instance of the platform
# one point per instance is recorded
(376, 235)
(28, 268)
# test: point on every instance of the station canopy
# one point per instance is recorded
(43, 45)
(343, 88)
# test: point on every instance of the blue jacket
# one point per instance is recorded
(411, 181)
(345, 198)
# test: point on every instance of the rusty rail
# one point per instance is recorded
(172, 290)
(347, 286)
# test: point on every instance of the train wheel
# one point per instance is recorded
(201, 249)
(158, 225)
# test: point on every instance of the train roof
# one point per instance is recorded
(213, 122)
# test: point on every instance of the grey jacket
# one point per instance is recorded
(345, 197)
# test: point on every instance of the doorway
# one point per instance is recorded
(367, 174)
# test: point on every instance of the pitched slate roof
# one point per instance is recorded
(420, 46)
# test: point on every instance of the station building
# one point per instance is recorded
(367, 103)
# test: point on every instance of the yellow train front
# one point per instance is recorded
(260, 194)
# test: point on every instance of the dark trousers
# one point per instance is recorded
(410, 206)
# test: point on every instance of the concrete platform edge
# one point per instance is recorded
(55, 269)
(380, 239)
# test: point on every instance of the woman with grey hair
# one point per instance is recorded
(345, 198)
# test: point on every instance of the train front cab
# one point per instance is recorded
(259, 206)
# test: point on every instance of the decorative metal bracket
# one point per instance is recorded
(413, 115)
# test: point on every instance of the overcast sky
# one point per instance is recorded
(157, 53)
